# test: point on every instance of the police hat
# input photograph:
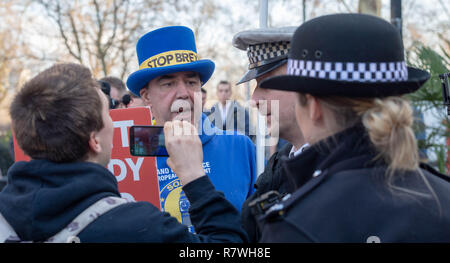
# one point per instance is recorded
(167, 50)
(267, 49)
(351, 55)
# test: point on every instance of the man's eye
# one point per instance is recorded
(166, 84)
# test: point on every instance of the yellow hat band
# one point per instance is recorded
(170, 58)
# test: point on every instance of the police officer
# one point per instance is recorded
(267, 50)
(360, 180)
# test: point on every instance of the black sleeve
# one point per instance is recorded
(215, 219)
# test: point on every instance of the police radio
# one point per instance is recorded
(445, 90)
(263, 203)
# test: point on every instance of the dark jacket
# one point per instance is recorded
(273, 178)
(42, 197)
(343, 196)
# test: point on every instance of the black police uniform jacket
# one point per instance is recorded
(343, 196)
(273, 178)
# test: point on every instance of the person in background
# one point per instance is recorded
(228, 114)
(117, 90)
(204, 97)
(267, 49)
(361, 179)
(133, 101)
(65, 193)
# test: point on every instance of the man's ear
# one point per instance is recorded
(315, 108)
(145, 96)
(94, 143)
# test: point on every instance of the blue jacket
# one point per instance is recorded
(42, 197)
(228, 160)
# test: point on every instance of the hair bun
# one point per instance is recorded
(389, 114)
(389, 124)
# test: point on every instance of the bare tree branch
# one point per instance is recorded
(56, 14)
(75, 35)
(347, 7)
(444, 7)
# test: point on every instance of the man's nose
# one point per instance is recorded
(182, 90)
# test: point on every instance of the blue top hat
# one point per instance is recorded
(164, 51)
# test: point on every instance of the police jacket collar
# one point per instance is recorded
(346, 150)
(338, 152)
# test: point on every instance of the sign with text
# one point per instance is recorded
(136, 176)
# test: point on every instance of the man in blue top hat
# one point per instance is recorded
(169, 80)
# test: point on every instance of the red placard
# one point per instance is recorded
(136, 176)
(19, 155)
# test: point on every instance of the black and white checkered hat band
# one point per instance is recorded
(265, 53)
(349, 71)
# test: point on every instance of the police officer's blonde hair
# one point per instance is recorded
(389, 124)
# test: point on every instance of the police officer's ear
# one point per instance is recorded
(315, 109)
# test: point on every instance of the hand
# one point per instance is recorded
(185, 150)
